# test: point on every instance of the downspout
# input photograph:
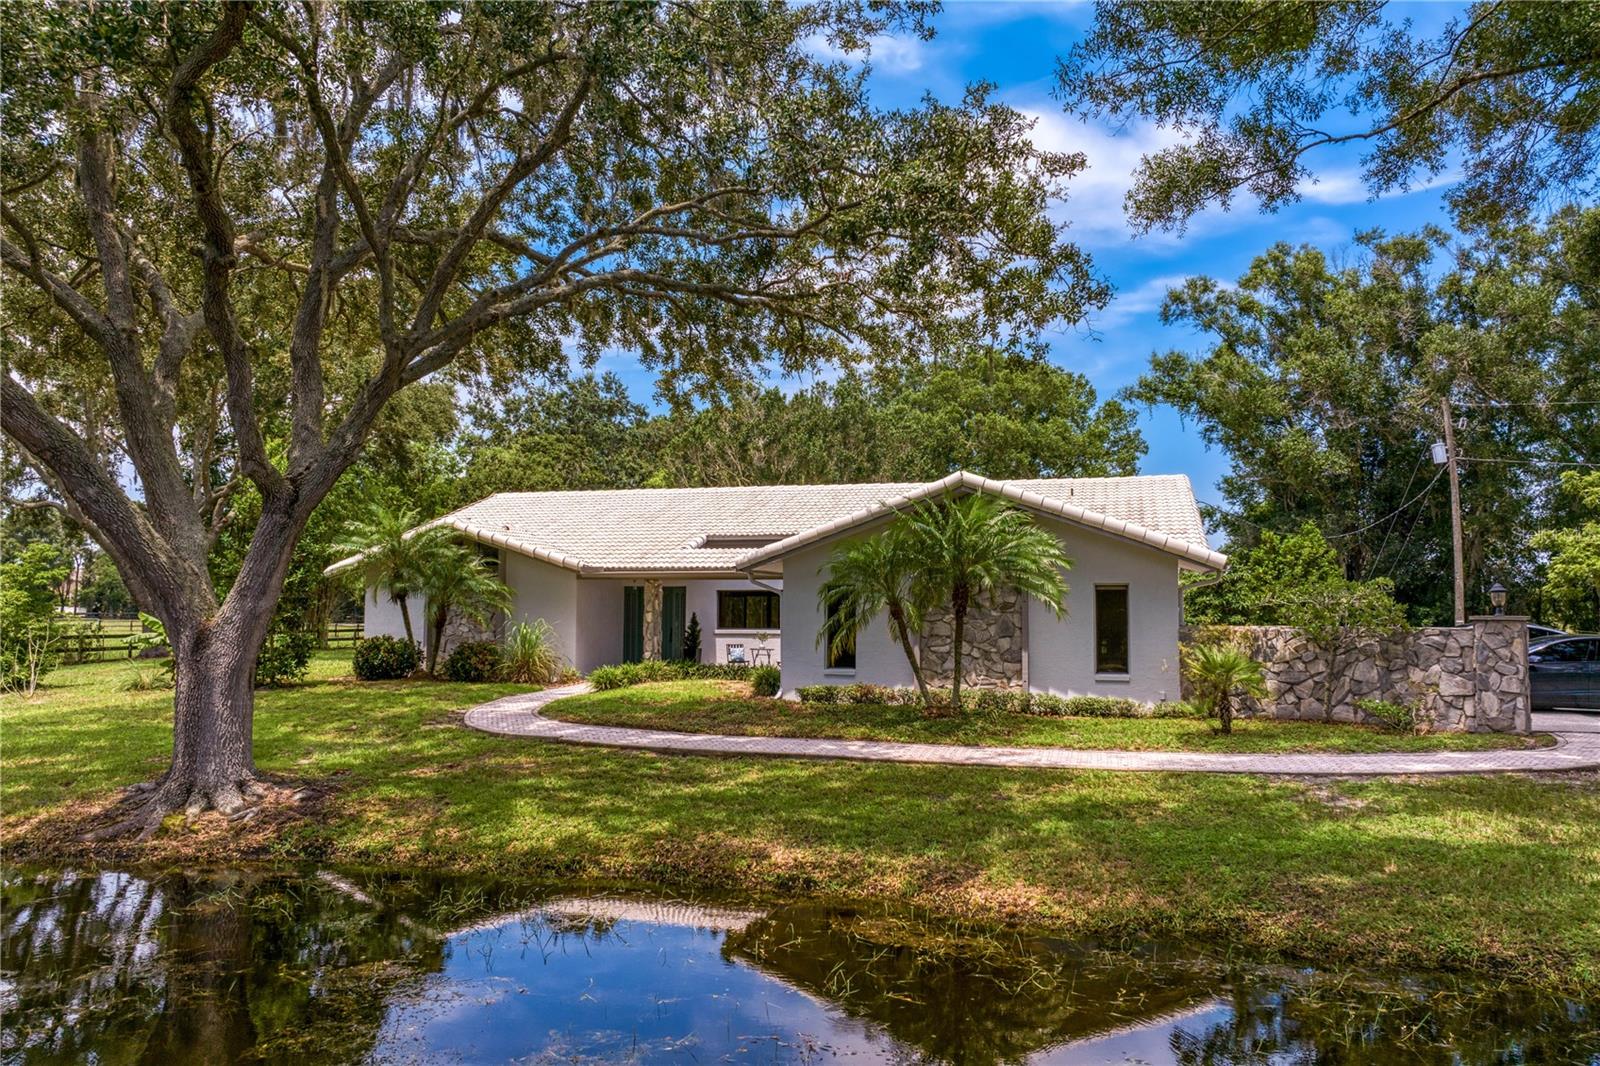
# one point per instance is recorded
(762, 585)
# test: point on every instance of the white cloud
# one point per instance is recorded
(886, 52)
(1347, 186)
(1094, 207)
(1144, 300)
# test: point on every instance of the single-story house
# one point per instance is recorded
(619, 573)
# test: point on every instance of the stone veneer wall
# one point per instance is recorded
(993, 642)
(1471, 678)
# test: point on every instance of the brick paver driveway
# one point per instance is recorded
(519, 716)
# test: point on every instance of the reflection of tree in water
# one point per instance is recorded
(254, 967)
(1326, 1019)
(961, 998)
(194, 969)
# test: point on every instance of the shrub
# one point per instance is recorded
(148, 681)
(691, 639)
(1000, 701)
(622, 675)
(1048, 705)
(30, 623)
(531, 656)
(606, 678)
(1105, 707)
(473, 660)
(285, 658)
(818, 693)
(766, 680)
(385, 658)
(1390, 716)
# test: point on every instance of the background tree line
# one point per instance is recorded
(1323, 381)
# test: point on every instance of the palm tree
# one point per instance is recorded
(457, 579)
(968, 548)
(869, 578)
(393, 556)
(1220, 670)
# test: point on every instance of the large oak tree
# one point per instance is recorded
(234, 232)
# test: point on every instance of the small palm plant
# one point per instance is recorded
(457, 580)
(869, 578)
(1218, 672)
(393, 557)
(968, 548)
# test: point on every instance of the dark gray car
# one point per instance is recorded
(1565, 672)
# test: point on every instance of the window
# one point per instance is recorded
(840, 657)
(747, 610)
(1565, 651)
(1111, 629)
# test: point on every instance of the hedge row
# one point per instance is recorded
(621, 675)
(998, 701)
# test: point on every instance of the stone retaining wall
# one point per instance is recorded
(1471, 678)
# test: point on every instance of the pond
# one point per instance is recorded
(323, 967)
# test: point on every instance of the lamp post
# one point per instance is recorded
(1497, 597)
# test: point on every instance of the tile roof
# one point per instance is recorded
(642, 530)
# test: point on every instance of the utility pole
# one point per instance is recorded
(1455, 510)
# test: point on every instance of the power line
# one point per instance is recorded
(1529, 403)
(1391, 514)
(1527, 462)
(1346, 533)
(1412, 480)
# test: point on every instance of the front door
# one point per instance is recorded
(673, 599)
(632, 623)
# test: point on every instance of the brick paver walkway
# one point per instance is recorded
(519, 716)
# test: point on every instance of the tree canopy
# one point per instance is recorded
(1323, 382)
(998, 414)
(1507, 91)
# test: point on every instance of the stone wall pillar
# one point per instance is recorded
(994, 643)
(1504, 701)
(652, 618)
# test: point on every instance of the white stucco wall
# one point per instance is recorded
(380, 616)
(701, 599)
(540, 590)
(1061, 653)
(879, 660)
(599, 639)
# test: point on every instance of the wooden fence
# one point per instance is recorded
(105, 639)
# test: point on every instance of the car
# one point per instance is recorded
(1543, 633)
(1565, 672)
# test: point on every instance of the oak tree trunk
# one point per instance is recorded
(215, 648)
(214, 715)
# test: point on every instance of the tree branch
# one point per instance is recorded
(217, 255)
(150, 444)
(146, 561)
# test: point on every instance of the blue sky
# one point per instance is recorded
(1015, 46)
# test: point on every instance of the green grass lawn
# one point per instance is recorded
(727, 707)
(1498, 873)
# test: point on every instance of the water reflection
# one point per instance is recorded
(243, 966)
